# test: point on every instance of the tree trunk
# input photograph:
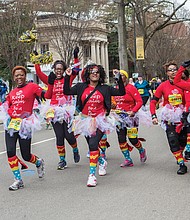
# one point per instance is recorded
(122, 35)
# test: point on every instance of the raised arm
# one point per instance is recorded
(120, 91)
(67, 89)
(43, 77)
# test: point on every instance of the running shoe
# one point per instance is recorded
(41, 168)
(127, 163)
(91, 181)
(62, 165)
(102, 168)
(143, 156)
(18, 184)
(187, 155)
(88, 154)
(76, 157)
(182, 169)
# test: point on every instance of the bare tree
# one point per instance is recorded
(15, 18)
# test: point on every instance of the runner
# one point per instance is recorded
(127, 107)
(171, 114)
(61, 111)
(20, 123)
(94, 101)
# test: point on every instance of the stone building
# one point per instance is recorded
(93, 41)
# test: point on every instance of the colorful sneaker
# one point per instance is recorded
(76, 157)
(62, 165)
(41, 168)
(18, 184)
(88, 154)
(127, 163)
(102, 168)
(143, 156)
(91, 181)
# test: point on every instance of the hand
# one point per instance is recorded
(186, 63)
(154, 121)
(51, 78)
(131, 113)
(76, 51)
(115, 71)
(68, 71)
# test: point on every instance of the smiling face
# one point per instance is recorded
(171, 71)
(59, 70)
(94, 74)
(19, 77)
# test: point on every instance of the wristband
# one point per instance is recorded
(154, 116)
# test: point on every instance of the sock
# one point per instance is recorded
(13, 163)
(75, 148)
(101, 160)
(125, 151)
(179, 157)
(61, 152)
(34, 160)
(93, 161)
(103, 146)
(188, 143)
(139, 147)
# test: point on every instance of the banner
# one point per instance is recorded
(139, 48)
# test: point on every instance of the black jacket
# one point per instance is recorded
(105, 90)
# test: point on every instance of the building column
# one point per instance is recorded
(98, 52)
(106, 61)
(93, 51)
(102, 61)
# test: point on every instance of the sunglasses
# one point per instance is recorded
(95, 71)
(172, 70)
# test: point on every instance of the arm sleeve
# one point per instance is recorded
(120, 91)
(43, 77)
(179, 74)
(135, 94)
(67, 89)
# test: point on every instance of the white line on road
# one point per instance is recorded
(39, 142)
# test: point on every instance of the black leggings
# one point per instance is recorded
(122, 137)
(25, 146)
(61, 133)
(176, 140)
(145, 99)
(93, 142)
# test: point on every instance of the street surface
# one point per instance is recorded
(151, 191)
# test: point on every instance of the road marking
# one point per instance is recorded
(39, 142)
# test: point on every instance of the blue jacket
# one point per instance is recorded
(143, 88)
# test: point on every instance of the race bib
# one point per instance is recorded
(141, 91)
(15, 124)
(132, 132)
(175, 99)
(50, 113)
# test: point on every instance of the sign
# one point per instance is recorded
(139, 48)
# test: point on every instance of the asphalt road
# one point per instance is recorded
(143, 192)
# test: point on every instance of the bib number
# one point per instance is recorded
(141, 91)
(175, 99)
(132, 132)
(15, 124)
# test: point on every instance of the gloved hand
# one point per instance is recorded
(76, 51)
(186, 63)
(51, 78)
(35, 52)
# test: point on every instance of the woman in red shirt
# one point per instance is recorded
(94, 102)
(127, 107)
(173, 107)
(21, 123)
(57, 112)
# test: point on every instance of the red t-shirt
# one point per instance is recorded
(21, 100)
(131, 101)
(95, 104)
(171, 93)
